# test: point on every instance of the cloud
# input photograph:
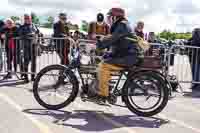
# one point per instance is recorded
(157, 14)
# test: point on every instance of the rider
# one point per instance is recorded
(98, 28)
(123, 54)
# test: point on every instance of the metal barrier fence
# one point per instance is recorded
(186, 64)
(27, 56)
(30, 55)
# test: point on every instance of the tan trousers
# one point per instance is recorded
(104, 76)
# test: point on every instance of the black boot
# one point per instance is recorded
(22, 76)
(8, 76)
(26, 80)
(33, 77)
(101, 100)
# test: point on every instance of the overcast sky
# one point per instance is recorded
(176, 15)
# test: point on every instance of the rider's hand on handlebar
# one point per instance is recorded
(101, 38)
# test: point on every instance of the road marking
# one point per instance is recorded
(129, 130)
(43, 128)
(114, 123)
(181, 123)
(186, 107)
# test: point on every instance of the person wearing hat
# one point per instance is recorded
(123, 52)
(8, 33)
(2, 24)
(61, 30)
(195, 56)
(28, 32)
(98, 28)
(139, 29)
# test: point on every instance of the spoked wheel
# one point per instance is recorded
(145, 94)
(55, 87)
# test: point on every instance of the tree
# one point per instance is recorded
(172, 36)
(15, 18)
(85, 26)
(49, 23)
(76, 27)
(35, 18)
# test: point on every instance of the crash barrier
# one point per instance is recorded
(28, 55)
(184, 62)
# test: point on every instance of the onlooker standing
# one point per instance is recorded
(28, 31)
(152, 37)
(76, 35)
(61, 30)
(98, 28)
(2, 24)
(9, 32)
(139, 29)
(195, 57)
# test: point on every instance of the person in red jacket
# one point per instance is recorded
(9, 32)
(98, 28)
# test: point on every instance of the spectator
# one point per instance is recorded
(139, 29)
(61, 30)
(71, 34)
(98, 28)
(2, 24)
(152, 37)
(195, 57)
(76, 35)
(9, 32)
(1, 45)
(28, 31)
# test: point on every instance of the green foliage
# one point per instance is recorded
(172, 36)
(84, 26)
(15, 18)
(35, 18)
(73, 26)
(49, 23)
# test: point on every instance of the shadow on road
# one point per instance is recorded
(193, 94)
(92, 120)
(4, 83)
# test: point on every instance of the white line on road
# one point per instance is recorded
(181, 123)
(129, 130)
(186, 107)
(43, 128)
(114, 123)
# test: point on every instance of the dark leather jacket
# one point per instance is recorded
(60, 30)
(124, 52)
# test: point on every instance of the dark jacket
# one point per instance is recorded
(28, 30)
(9, 33)
(139, 33)
(1, 27)
(124, 52)
(60, 30)
(195, 40)
(27, 33)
